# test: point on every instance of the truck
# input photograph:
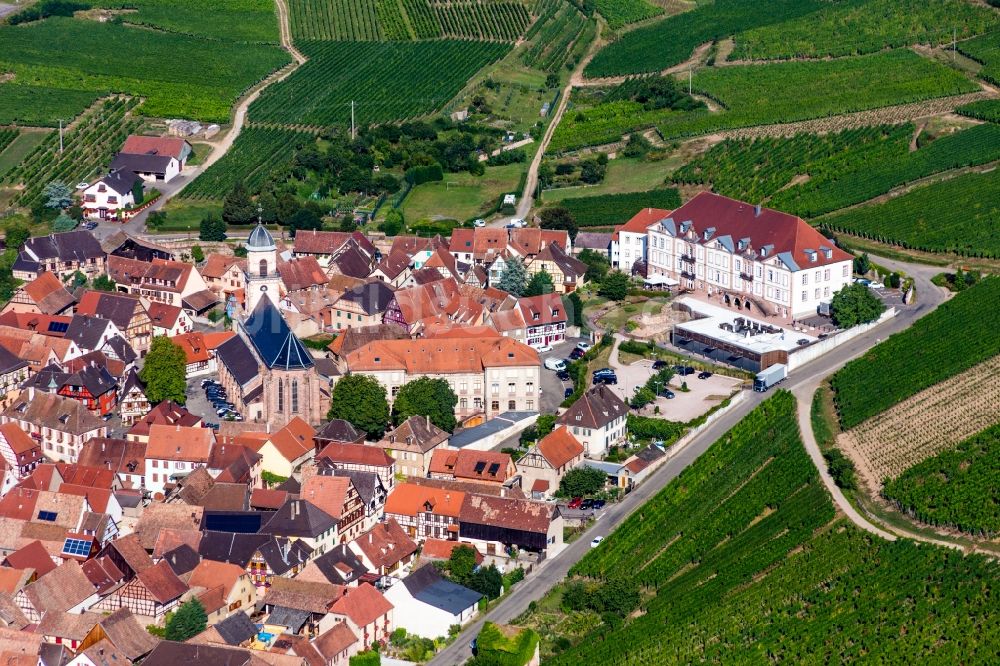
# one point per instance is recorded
(767, 378)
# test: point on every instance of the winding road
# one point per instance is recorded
(802, 383)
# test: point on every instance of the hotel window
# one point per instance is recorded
(511, 388)
(826, 291)
(826, 274)
(819, 275)
(805, 295)
(529, 387)
(495, 388)
(495, 405)
(512, 405)
(817, 292)
(463, 403)
(464, 387)
(805, 279)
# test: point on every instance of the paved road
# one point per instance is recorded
(554, 570)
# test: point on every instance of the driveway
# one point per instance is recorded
(137, 224)
(553, 388)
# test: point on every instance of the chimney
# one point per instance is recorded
(102, 446)
(369, 537)
(428, 420)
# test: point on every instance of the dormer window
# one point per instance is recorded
(813, 255)
(534, 316)
(827, 252)
(555, 312)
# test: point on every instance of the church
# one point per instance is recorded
(267, 372)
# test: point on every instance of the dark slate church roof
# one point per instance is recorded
(236, 356)
(275, 343)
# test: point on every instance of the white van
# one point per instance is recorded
(555, 364)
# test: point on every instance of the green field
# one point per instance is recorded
(959, 488)
(187, 214)
(19, 148)
(742, 559)
(254, 157)
(987, 109)
(775, 93)
(177, 75)
(839, 169)
(960, 215)
(623, 12)
(228, 20)
(461, 196)
(7, 136)
(88, 149)
(41, 106)
(609, 209)
(851, 27)
(663, 44)
(623, 175)
(956, 336)
(389, 81)
(554, 36)
(985, 50)
(352, 20)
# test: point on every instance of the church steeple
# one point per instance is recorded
(262, 266)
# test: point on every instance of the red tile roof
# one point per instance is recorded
(294, 440)
(263, 498)
(301, 273)
(438, 549)
(31, 556)
(163, 315)
(162, 582)
(329, 493)
(358, 454)
(560, 447)
(386, 544)
(441, 355)
(408, 499)
(542, 310)
(137, 144)
(641, 221)
(173, 442)
(362, 604)
(517, 514)
(469, 464)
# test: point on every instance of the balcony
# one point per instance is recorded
(687, 258)
(747, 277)
(688, 275)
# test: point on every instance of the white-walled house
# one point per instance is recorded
(110, 195)
(597, 420)
(426, 604)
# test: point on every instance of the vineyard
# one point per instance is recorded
(836, 170)
(934, 420)
(956, 488)
(852, 28)
(985, 50)
(87, 150)
(7, 136)
(747, 563)
(254, 157)
(623, 12)
(768, 94)
(503, 21)
(389, 81)
(610, 209)
(957, 215)
(228, 20)
(348, 20)
(959, 334)
(987, 109)
(553, 36)
(41, 106)
(670, 42)
(176, 75)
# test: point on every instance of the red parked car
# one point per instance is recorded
(575, 502)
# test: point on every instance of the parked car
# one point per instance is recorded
(205, 383)
(599, 504)
(543, 349)
(584, 346)
(683, 370)
(604, 371)
(668, 394)
(576, 353)
(517, 223)
(568, 391)
(563, 375)
(596, 542)
(704, 374)
(556, 364)
(606, 379)
(479, 222)
(659, 364)
(587, 504)
(575, 503)
(89, 226)
(222, 411)
(213, 426)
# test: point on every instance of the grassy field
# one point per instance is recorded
(461, 196)
(774, 93)
(202, 83)
(19, 148)
(957, 215)
(623, 175)
(985, 50)
(186, 214)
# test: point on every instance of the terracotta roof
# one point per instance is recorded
(13, 617)
(61, 589)
(301, 273)
(294, 440)
(49, 294)
(416, 434)
(41, 323)
(560, 447)
(173, 442)
(470, 464)
(25, 449)
(386, 544)
(131, 550)
(72, 626)
(303, 595)
(438, 549)
(165, 413)
(217, 265)
(163, 315)
(408, 499)
(55, 412)
(137, 144)
(91, 476)
(97, 498)
(170, 538)
(507, 320)
(532, 240)
(764, 228)
(505, 512)
(329, 493)
(103, 573)
(157, 516)
(119, 455)
(309, 241)
(354, 338)
(358, 454)
(12, 580)
(161, 582)
(263, 498)
(641, 221)
(335, 640)
(362, 604)
(462, 485)
(595, 409)
(441, 355)
(208, 574)
(541, 310)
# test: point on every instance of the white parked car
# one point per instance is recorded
(596, 542)
(583, 346)
(543, 349)
(555, 364)
(480, 222)
(517, 222)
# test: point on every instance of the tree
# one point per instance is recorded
(559, 218)
(582, 481)
(361, 400)
(64, 222)
(138, 192)
(156, 219)
(552, 80)
(197, 253)
(545, 424)
(188, 621)
(862, 264)
(165, 372)
(347, 223)
(592, 171)
(597, 264)
(57, 195)
(305, 218)
(103, 283)
(393, 223)
(514, 277)
(212, 228)
(615, 286)
(16, 235)
(574, 308)
(461, 564)
(855, 304)
(488, 581)
(237, 208)
(615, 596)
(366, 658)
(426, 397)
(540, 283)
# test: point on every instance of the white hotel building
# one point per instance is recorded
(761, 260)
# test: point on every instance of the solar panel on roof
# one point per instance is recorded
(480, 466)
(49, 516)
(58, 326)
(79, 547)
(494, 468)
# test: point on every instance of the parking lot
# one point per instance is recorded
(553, 388)
(197, 403)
